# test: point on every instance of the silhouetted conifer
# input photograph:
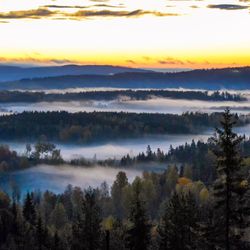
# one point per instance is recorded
(29, 211)
(138, 227)
(230, 187)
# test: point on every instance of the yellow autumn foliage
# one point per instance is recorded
(204, 195)
(184, 181)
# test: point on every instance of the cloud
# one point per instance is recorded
(60, 61)
(227, 6)
(109, 13)
(53, 6)
(29, 59)
(147, 58)
(32, 14)
(43, 12)
(171, 61)
(131, 61)
(65, 6)
(190, 62)
(108, 6)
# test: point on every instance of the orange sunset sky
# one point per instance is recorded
(135, 33)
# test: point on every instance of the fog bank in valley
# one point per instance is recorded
(125, 104)
(56, 178)
(117, 149)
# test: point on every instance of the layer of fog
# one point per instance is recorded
(56, 178)
(117, 149)
(155, 105)
(160, 105)
(91, 89)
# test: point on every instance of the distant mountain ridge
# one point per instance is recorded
(227, 78)
(13, 73)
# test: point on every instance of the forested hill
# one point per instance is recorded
(13, 73)
(230, 78)
(89, 127)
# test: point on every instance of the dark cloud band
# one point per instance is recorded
(227, 6)
(32, 14)
(110, 13)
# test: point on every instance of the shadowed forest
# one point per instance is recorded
(169, 210)
(85, 127)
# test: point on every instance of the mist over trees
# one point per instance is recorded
(169, 210)
(30, 96)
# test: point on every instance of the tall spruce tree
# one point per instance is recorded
(87, 228)
(41, 235)
(179, 223)
(117, 194)
(29, 211)
(229, 189)
(56, 243)
(138, 228)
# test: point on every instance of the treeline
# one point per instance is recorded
(154, 212)
(195, 158)
(97, 126)
(28, 96)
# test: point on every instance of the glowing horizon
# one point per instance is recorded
(145, 34)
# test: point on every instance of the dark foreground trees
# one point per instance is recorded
(86, 230)
(158, 211)
(138, 225)
(230, 189)
(178, 226)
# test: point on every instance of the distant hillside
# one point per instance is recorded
(228, 78)
(13, 73)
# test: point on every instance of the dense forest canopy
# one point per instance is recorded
(28, 96)
(86, 127)
(157, 211)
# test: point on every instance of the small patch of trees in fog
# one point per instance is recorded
(42, 152)
(28, 96)
(86, 127)
(155, 211)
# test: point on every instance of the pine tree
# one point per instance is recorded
(179, 223)
(229, 191)
(29, 212)
(56, 242)
(41, 234)
(207, 229)
(149, 153)
(138, 228)
(87, 228)
(77, 231)
(19, 227)
(117, 194)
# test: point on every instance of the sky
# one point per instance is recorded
(134, 33)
